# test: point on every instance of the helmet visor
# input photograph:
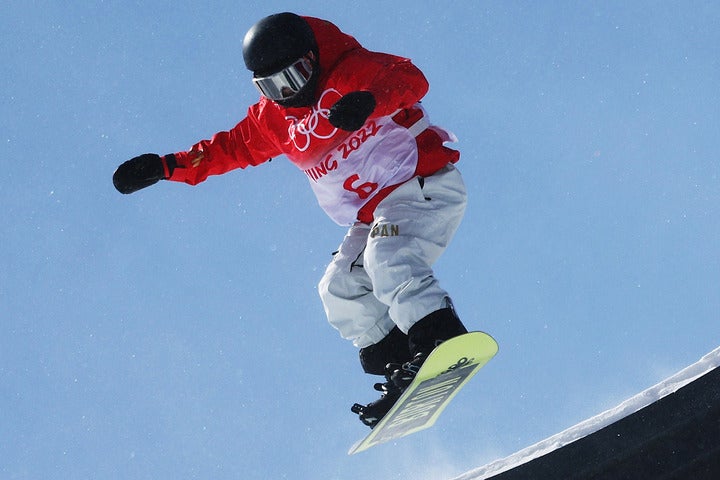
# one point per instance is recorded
(288, 81)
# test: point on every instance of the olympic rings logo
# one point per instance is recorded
(303, 130)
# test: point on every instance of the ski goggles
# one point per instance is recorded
(288, 81)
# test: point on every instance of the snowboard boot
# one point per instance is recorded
(403, 376)
(383, 358)
(391, 349)
(373, 412)
(423, 337)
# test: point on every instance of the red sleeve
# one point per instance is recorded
(245, 145)
(398, 85)
(394, 81)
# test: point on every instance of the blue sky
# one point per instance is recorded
(177, 333)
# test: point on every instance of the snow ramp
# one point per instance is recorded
(669, 431)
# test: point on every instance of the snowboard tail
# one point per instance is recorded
(447, 369)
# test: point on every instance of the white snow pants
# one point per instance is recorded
(382, 274)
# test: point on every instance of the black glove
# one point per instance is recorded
(141, 172)
(351, 111)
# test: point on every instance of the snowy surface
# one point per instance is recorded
(628, 407)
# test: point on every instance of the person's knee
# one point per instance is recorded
(324, 286)
(333, 284)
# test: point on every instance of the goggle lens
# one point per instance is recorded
(287, 82)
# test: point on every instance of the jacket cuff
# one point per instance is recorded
(169, 163)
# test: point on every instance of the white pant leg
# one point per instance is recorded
(347, 293)
(382, 274)
(413, 227)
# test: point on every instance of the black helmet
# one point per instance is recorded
(277, 41)
(282, 53)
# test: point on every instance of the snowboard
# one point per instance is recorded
(446, 370)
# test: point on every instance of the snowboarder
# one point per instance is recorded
(351, 120)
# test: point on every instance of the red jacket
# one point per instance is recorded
(350, 172)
